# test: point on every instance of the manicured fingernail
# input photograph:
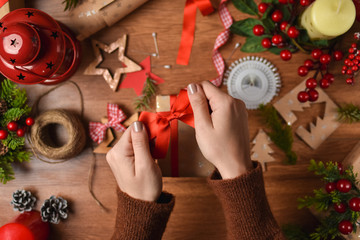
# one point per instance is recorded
(138, 126)
(192, 88)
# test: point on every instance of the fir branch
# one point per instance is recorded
(13, 114)
(148, 92)
(349, 113)
(70, 4)
(7, 91)
(280, 133)
(6, 171)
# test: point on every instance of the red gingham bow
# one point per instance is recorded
(115, 117)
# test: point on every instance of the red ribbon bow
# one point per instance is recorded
(163, 126)
(115, 117)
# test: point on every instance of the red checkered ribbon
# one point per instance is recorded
(115, 117)
(221, 39)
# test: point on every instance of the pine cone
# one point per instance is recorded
(54, 209)
(3, 106)
(23, 201)
(3, 149)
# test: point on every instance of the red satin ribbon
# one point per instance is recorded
(163, 127)
(188, 31)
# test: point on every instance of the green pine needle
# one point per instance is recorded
(280, 133)
(149, 90)
(349, 113)
(70, 4)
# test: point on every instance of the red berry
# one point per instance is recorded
(277, 39)
(357, 57)
(258, 30)
(305, 2)
(343, 71)
(316, 53)
(345, 227)
(340, 207)
(20, 132)
(303, 96)
(354, 204)
(351, 50)
(12, 126)
(283, 26)
(311, 83)
(262, 7)
(277, 16)
(330, 187)
(355, 61)
(293, 32)
(3, 134)
(29, 121)
(350, 81)
(343, 185)
(309, 63)
(353, 45)
(285, 55)
(329, 77)
(283, 1)
(325, 59)
(303, 71)
(313, 95)
(348, 62)
(354, 68)
(338, 55)
(351, 56)
(324, 83)
(266, 43)
(340, 168)
(349, 72)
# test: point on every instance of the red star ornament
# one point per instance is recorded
(137, 79)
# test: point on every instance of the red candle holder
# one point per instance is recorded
(35, 48)
(26, 226)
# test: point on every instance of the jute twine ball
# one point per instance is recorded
(45, 144)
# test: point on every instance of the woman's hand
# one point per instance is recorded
(135, 171)
(222, 134)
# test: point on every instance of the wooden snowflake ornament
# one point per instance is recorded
(261, 149)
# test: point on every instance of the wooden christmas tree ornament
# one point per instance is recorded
(261, 150)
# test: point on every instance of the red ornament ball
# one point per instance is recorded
(277, 39)
(262, 7)
(305, 2)
(329, 77)
(12, 126)
(293, 32)
(313, 95)
(277, 16)
(29, 121)
(311, 83)
(330, 187)
(283, 25)
(325, 59)
(303, 71)
(3, 134)
(343, 185)
(285, 55)
(338, 55)
(345, 227)
(303, 96)
(340, 207)
(20, 132)
(309, 63)
(324, 83)
(354, 204)
(316, 53)
(258, 30)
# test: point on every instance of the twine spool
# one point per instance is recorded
(44, 143)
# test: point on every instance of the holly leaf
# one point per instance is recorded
(246, 6)
(269, 24)
(245, 27)
(252, 45)
(267, 12)
(285, 10)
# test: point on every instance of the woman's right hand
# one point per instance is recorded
(222, 134)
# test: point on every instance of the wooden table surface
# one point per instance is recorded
(197, 214)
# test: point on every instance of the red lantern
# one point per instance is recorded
(27, 226)
(36, 49)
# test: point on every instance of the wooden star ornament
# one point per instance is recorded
(130, 66)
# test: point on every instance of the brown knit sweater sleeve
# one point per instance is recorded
(246, 209)
(141, 220)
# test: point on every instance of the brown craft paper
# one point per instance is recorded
(119, 44)
(191, 161)
(10, 6)
(94, 15)
(323, 127)
(261, 149)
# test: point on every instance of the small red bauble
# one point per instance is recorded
(29, 121)
(340, 207)
(324, 83)
(277, 39)
(311, 83)
(340, 168)
(345, 227)
(283, 25)
(329, 77)
(277, 16)
(258, 30)
(313, 95)
(350, 81)
(12, 126)
(343, 185)
(309, 63)
(303, 71)
(330, 187)
(266, 43)
(262, 7)
(20, 132)
(3, 134)
(316, 53)
(354, 204)
(305, 2)
(293, 32)
(285, 55)
(303, 96)
(338, 55)
(325, 59)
